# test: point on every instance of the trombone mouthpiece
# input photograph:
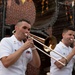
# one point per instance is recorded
(26, 34)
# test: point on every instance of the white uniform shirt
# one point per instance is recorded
(9, 46)
(63, 50)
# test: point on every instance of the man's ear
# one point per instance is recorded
(62, 34)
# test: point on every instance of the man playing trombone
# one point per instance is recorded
(16, 54)
(63, 47)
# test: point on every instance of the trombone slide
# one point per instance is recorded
(50, 56)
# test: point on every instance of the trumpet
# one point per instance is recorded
(47, 48)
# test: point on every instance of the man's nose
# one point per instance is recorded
(27, 31)
(73, 36)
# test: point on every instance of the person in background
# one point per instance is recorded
(15, 54)
(63, 47)
(50, 40)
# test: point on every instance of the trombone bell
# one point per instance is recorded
(49, 49)
(50, 42)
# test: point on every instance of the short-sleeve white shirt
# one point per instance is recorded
(63, 50)
(8, 46)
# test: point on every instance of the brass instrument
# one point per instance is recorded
(38, 38)
(49, 48)
(49, 41)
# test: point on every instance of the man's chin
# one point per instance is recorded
(24, 38)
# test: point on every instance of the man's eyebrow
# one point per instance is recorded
(24, 27)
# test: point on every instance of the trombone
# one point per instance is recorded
(47, 48)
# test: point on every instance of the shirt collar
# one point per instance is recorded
(15, 40)
(64, 46)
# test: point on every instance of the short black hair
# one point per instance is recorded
(24, 20)
(68, 28)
